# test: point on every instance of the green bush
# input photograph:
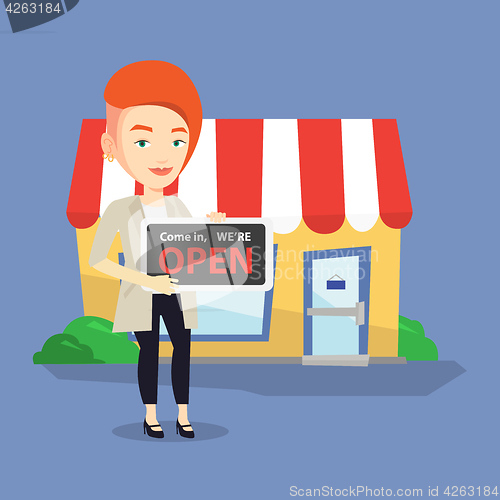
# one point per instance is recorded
(412, 342)
(88, 340)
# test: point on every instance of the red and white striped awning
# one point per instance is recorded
(323, 171)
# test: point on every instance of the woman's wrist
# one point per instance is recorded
(147, 281)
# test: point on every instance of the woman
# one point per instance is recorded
(153, 118)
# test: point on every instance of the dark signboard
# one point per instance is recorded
(210, 256)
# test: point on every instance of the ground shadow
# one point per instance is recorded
(202, 431)
(416, 378)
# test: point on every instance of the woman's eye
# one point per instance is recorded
(178, 144)
(142, 144)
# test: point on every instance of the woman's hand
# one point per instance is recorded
(217, 216)
(163, 284)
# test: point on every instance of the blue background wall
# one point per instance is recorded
(431, 65)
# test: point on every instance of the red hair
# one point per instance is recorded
(156, 83)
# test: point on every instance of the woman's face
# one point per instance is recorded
(153, 143)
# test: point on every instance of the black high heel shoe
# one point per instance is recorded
(151, 432)
(183, 433)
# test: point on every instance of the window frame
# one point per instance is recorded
(233, 337)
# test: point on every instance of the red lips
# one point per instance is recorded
(161, 171)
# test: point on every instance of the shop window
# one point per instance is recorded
(230, 316)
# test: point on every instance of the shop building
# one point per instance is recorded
(337, 194)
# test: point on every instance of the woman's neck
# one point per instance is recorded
(152, 196)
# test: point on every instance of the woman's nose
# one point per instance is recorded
(161, 162)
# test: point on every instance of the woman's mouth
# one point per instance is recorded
(161, 171)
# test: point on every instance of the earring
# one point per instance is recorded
(109, 156)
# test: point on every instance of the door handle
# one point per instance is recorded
(358, 311)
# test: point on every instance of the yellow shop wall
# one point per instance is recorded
(100, 293)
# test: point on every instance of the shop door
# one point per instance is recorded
(336, 301)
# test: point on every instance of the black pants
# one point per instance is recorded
(167, 306)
